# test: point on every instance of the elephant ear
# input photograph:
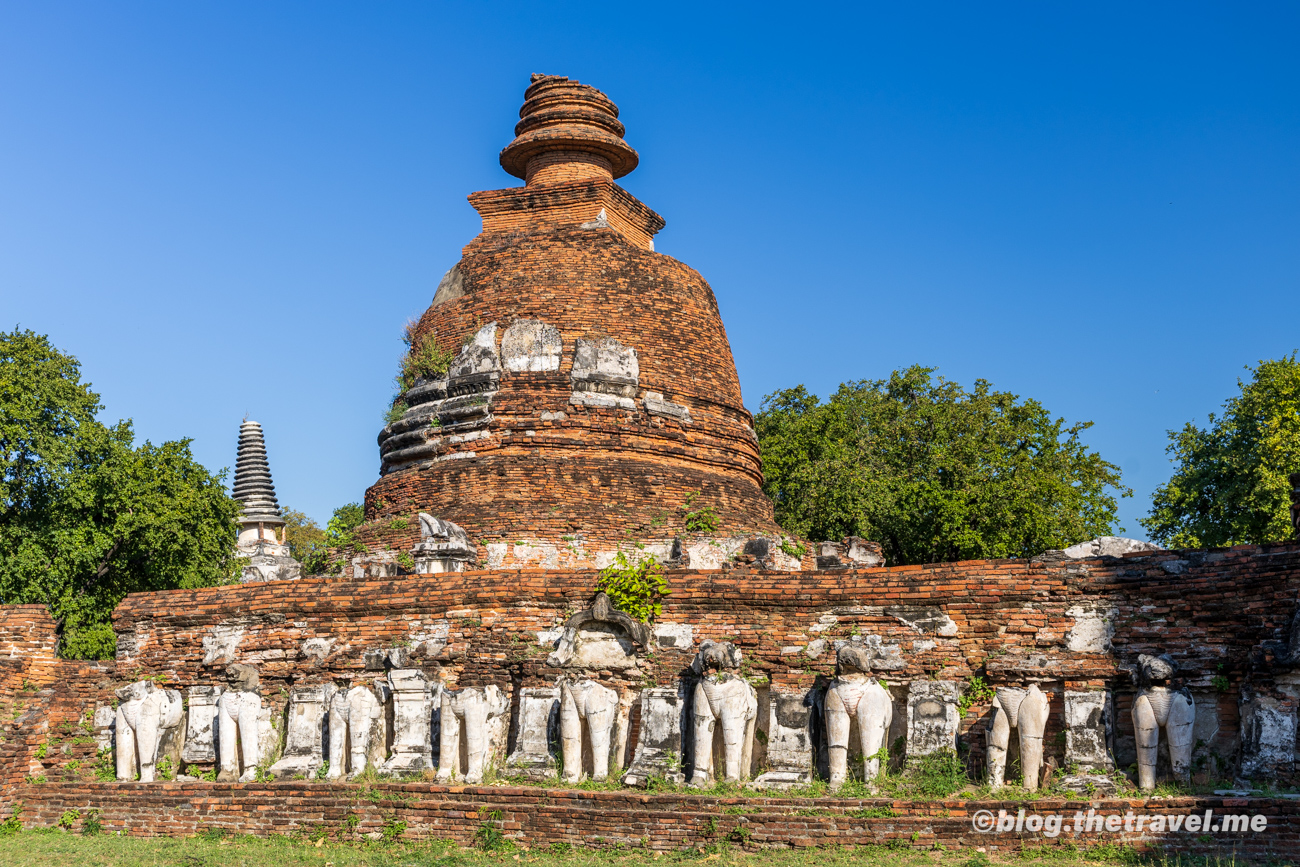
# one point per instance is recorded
(734, 655)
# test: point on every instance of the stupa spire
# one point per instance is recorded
(253, 485)
(567, 131)
(261, 525)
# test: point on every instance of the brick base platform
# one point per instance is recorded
(539, 817)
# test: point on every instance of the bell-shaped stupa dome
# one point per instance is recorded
(570, 392)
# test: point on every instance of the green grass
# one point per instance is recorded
(46, 848)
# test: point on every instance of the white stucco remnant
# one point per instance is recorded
(477, 356)
(220, 643)
(1109, 546)
(1094, 626)
(932, 716)
(304, 749)
(429, 638)
(450, 287)
(659, 744)
(679, 636)
(531, 345)
(413, 698)
(316, 648)
(789, 742)
(926, 619)
(1087, 729)
(655, 404)
(1268, 736)
(537, 732)
(605, 365)
(200, 729)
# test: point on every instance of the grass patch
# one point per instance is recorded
(49, 848)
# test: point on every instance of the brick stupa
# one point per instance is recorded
(595, 403)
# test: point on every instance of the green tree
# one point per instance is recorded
(303, 535)
(346, 518)
(86, 517)
(1229, 484)
(932, 472)
(317, 549)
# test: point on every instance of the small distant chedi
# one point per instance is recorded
(570, 409)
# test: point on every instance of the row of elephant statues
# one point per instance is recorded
(696, 731)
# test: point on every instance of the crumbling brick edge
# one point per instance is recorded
(535, 816)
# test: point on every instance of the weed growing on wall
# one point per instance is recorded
(395, 412)
(702, 520)
(14, 823)
(425, 357)
(976, 692)
(105, 767)
(635, 588)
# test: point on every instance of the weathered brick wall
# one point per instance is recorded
(569, 203)
(1214, 611)
(27, 632)
(539, 817)
(600, 477)
(1003, 620)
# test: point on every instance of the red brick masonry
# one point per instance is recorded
(538, 817)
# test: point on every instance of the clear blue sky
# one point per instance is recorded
(230, 208)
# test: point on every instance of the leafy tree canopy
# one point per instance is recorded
(303, 535)
(1229, 484)
(87, 517)
(310, 545)
(933, 472)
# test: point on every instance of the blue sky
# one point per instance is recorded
(230, 208)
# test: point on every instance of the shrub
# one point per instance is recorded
(937, 775)
(635, 588)
(395, 412)
(14, 823)
(704, 520)
(489, 837)
(977, 692)
(425, 357)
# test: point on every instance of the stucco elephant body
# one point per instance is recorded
(1025, 710)
(237, 734)
(722, 698)
(144, 713)
(1156, 706)
(353, 717)
(586, 701)
(468, 711)
(856, 695)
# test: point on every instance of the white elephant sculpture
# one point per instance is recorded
(144, 714)
(237, 712)
(1158, 706)
(722, 698)
(1025, 710)
(856, 695)
(469, 710)
(353, 718)
(586, 701)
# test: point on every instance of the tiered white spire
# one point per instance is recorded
(253, 485)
